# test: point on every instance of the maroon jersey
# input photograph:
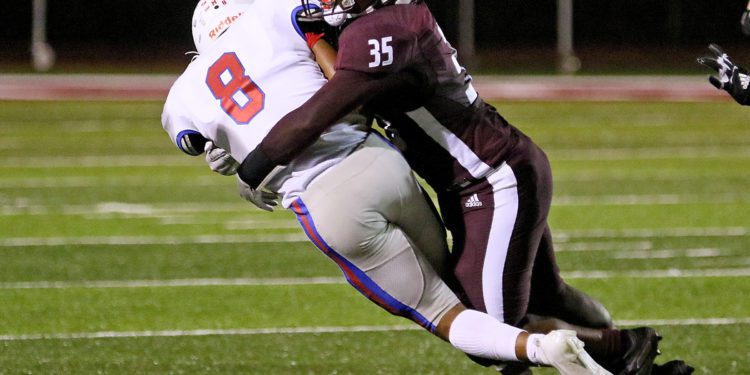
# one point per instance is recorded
(397, 62)
(450, 126)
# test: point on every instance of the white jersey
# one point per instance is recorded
(259, 70)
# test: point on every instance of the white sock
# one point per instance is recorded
(533, 351)
(481, 335)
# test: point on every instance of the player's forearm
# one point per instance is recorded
(344, 93)
(325, 56)
(301, 127)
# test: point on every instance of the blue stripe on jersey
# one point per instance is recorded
(297, 11)
(356, 277)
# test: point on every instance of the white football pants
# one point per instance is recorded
(369, 216)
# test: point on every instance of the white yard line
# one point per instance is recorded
(649, 199)
(110, 181)
(105, 208)
(562, 236)
(209, 332)
(563, 200)
(103, 284)
(211, 180)
(648, 153)
(102, 161)
(605, 246)
(684, 322)
(668, 253)
(563, 155)
(629, 175)
(319, 330)
(660, 274)
(152, 240)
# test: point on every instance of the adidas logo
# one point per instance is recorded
(473, 201)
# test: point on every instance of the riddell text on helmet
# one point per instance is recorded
(216, 31)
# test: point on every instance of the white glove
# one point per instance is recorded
(261, 198)
(219, 160)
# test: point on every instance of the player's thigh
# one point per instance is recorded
(423, 228)
(378, 258)
(370, 216)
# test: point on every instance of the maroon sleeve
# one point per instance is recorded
(344, 93)
(375, 53)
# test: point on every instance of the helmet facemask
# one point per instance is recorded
(335, 12)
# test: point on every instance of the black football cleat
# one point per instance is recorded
(676, 367)
(642, 347)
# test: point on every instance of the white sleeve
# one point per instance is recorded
(181, 129)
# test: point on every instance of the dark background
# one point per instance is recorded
(637, 36)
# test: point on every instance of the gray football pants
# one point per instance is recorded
(369, 216)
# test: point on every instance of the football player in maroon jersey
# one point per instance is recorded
(494, 184)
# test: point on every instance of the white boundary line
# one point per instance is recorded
(670, 273)
(318, 330)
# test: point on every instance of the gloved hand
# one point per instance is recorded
(261, 198)
(732, 78)
(192, 142)
(219, 160)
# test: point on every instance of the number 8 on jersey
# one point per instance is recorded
(240, 98)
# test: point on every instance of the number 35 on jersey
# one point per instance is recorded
(381, 51)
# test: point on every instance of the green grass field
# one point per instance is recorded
(120, 255)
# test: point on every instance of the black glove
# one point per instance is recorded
(732, 78)
(192, 142)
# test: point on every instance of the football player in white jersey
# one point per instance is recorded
(253, 67)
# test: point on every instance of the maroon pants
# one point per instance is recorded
(506, 225)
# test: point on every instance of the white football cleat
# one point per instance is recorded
(564, 351)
